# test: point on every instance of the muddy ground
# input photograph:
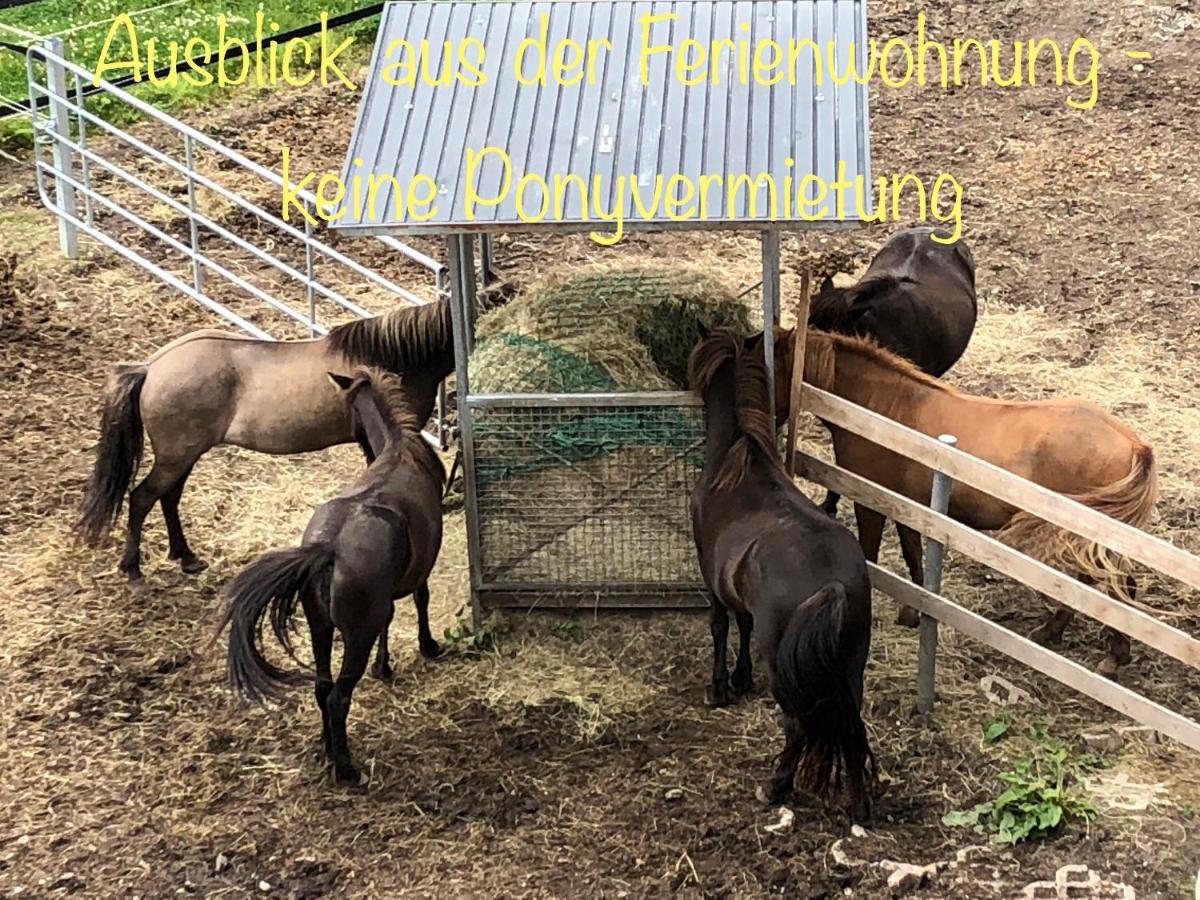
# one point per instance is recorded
(575, 756)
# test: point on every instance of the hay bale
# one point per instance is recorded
(637, 322)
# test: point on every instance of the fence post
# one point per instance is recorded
(60, 121)
(935, 552)
(485, 258)
(197, 266)
(310, 265)
(442, 292)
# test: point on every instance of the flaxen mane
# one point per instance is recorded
(752, 403)
(395, 404)
(399, 341)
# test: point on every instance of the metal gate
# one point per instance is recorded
(198, 215)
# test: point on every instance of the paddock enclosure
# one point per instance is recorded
(574, 755)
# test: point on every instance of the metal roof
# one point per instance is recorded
(615, 127)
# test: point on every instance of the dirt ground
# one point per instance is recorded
(576, 757)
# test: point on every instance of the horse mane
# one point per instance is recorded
(820, 359)
(399, 341)
(395, 403)
(838, 310)
(753, 413)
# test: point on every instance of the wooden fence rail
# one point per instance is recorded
(1046, 504)
(1054, 508)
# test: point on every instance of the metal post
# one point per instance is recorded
(770, 300)
(197, 265)
(441, 292)
(799, 345)
(462, 301)
(485, 258)
(309, 269)
(85, 172)
(939, 501)
(60, 119)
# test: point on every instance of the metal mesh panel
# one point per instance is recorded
(585, 497)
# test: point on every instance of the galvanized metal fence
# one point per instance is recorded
(161, 196)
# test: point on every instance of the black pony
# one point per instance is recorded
(770, 555)
(917, 299)
(372, 545)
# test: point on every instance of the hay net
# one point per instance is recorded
(626, 327)
(579, 494)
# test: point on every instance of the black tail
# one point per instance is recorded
(118, 455)
(270, 585)
(818, 684)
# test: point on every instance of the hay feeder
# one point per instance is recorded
(580, 496)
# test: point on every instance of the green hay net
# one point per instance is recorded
(599, 329)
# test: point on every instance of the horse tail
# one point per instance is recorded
(1130, 500)
(814, 685)
(118, 455)
(270, 586)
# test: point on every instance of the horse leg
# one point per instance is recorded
(382, 669)
(782, 781)
(718, 623)
(355, 655)
(189, 562)
(430, 649)
(1118, 644)
(1050, 632)
(910, 547)
(870, 530)
(142, 499)
(320, 630)
(830, 505)
(743, 679)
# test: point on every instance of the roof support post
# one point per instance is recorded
(460, 249)
(770, 300)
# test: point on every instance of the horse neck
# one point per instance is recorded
(720, 419)
(868, 382)
(376, 421)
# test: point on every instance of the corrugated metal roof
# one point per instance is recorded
(615, 127)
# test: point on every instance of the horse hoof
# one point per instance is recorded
(136, 583)
(716, 697)
(431, 650)
(192, 565)
(382, 671)
(908, 617)
(1109, 669)
(348, 776)
(1047, 637)
(741, 686)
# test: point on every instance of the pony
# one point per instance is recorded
(373, 544)
(916, 299)
(1070, 446)
(212, 387)
(784, 567)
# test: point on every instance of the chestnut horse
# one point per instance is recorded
(373, 544)
(1069, 446)
(769, 554)
(213, 387)
(916, 299)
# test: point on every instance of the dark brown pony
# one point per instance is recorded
(373, 544)
(1070, 446)
(211, 387)
(916, 299)
(783, 566)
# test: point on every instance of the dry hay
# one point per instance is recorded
(636, 322)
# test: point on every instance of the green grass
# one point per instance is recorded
(84, 25)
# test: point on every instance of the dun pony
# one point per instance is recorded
(372, 545)
(1069, 446)
(785, 568)
(212, 387)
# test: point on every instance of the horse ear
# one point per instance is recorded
(341, 382)
(826, 284)
(704, 330)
